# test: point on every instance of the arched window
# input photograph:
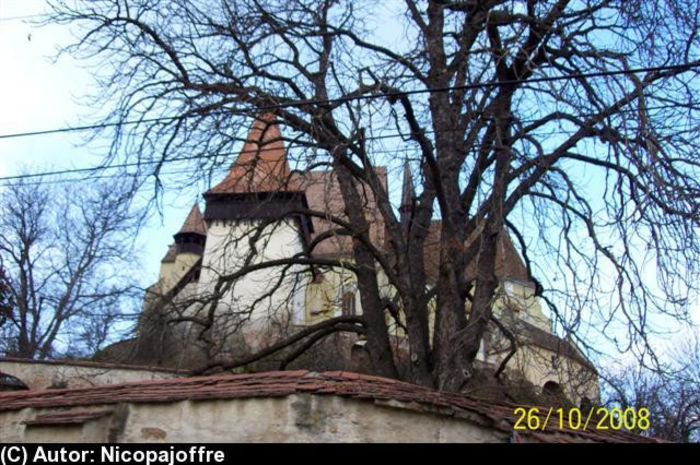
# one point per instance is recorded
(552, 388)
(348, 304)
(11, 383)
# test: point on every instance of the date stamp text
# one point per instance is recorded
(596, 418)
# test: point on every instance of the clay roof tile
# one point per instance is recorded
(262, 164)
(194, 223)
(170, 254)
(509, 264)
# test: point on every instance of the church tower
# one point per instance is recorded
(260, 184)
(185, 252)
(255, 215)
(192, 235)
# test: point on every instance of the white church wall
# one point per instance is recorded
(261, 304)
(171, 274)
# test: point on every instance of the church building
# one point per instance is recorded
(203, 309)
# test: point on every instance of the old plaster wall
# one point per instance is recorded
(38, 374)
(294, 418)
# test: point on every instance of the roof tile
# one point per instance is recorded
(262, 164)
(194, 223)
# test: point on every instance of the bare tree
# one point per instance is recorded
(67, 252)
(5, 297)
(571, 125)
(672, 395)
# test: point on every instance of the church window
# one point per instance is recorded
(552, 388)
(348, 303)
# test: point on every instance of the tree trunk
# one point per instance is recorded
(372, 307)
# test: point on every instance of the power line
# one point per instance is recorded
(209, 156)
(94, 177)
(22, 17)
(258, 150)
(43, 132)
(172, 160)
(685, 66)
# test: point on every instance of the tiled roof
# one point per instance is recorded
(509, 265)
(323, 194)
(499, 416)
(170, 254)
(194, 223)
(552, 342)
(508, 261)
(262, 164)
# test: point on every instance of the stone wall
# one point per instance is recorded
(294, 418)
(48, 374)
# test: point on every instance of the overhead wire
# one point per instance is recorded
(686, 66)
(297, 103)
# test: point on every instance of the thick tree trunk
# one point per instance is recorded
(419, 352)
(469, 340)
(449, 319)
(372, 306)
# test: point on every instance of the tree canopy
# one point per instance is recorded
(570, 125)
(65, 253)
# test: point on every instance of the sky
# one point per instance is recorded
(38, 93)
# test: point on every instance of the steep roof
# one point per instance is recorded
(408, 198)
(509, 265)
(508, 261)
(262, 167)
(546, 340)
(408, 193)
(323, 194)
(194, 223)
(496, 415)
(262, 164)
(170, 254)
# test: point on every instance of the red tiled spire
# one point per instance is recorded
(262, 164)
(194, 223)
